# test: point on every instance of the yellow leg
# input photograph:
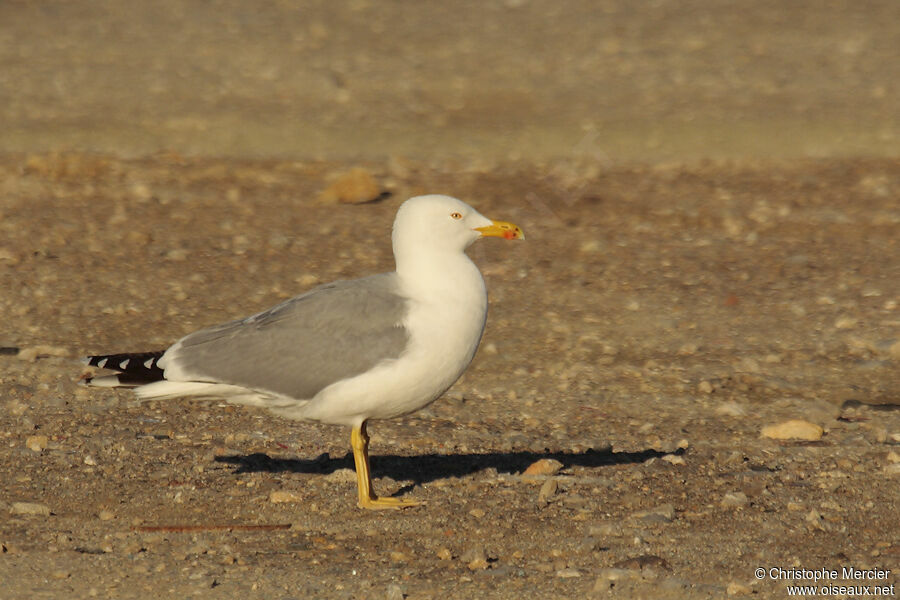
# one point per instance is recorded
(359, 441)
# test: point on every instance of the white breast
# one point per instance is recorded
(446, 318)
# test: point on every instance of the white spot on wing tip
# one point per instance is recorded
(102, 363)
(148, 363)
(124, 364)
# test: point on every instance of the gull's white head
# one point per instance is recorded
(444, 224)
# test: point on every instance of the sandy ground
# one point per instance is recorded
(711, 208)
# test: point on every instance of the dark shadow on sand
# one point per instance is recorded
(424, 468)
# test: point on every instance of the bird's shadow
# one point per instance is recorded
(424, 468)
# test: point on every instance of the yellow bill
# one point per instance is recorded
(502, 229)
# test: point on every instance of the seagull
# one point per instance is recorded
(345, 352)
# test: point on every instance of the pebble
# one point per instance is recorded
(30, 508)
(548, 490)
(894, 350)
(279, 496)
(544, 466)
(673, 459)
(797, 429)
(734, 500)
(106, 515)
(705, 387)
(664, 513)
(609, 529)
(737, 589)
(444, 554)
(342, 476)
(644, 563)
(607, 575)
(893, 469)
(394, 592)
(568, 573)
(845, 323)
(730, 408)
(8, 256)
(816, 520)
(33, 353)
(36, 443)
(475, 558)
(590, 246)
(356, 186)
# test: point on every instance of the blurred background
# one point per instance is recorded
(610, 80)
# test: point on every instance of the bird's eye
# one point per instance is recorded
(456, 215)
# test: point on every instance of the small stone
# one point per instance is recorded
(356, 186)
(794, 429)
(176, 255)
(664, 513)
(673, 459)
(30, 508)
(705, 387)
(607, 576)
(568, 573)
(607, 529)
(544, 466)
(475, 558)
(141, 191)
(688, 349)
(477, 513)
(106, 515)
(342, 476)
(643, 563)
(36, 443)
(280, 496)
(845, 323)
(89, 460)
(444, 554)
(307, 279)
(730, 408)
(548, 490)
(394, 592)
(893, 469)
(8, 256)
(737, 589)
(734, 500)
(33, 353)
(479, 564)
(590, 246)
(894, 350)
(816, 520)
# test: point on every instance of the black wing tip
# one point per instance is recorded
(133, 368)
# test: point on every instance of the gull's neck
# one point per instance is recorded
(435, 274)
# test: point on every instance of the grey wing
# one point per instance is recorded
(301, 346)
